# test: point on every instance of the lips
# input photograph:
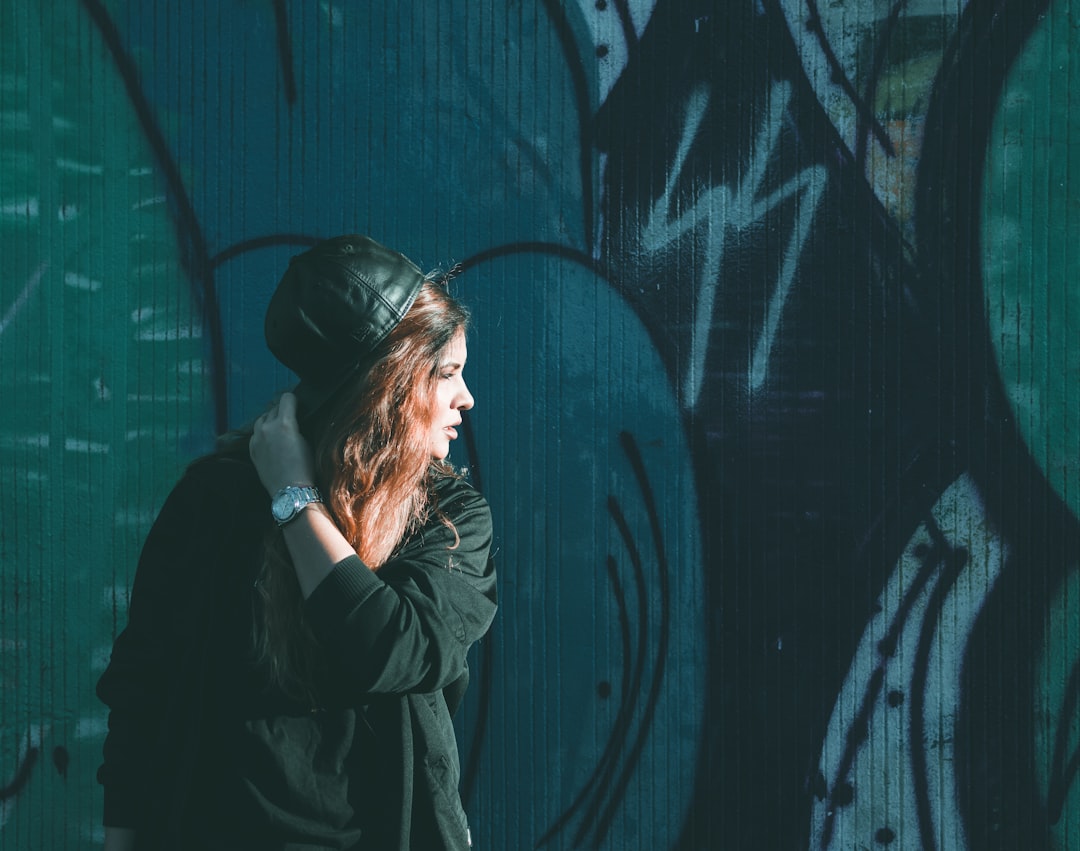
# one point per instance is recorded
(451, 432)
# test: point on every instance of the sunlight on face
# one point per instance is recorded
(451, 397)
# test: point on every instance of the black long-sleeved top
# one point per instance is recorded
(201, 750)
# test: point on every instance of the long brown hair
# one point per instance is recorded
(375, 470)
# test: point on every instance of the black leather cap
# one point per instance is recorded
(334, 305)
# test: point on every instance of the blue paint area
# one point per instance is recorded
(457, 134)
(579, 445)
(447, 135)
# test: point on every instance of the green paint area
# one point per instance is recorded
(1031, 247)
(1031, 237)
(105, 398)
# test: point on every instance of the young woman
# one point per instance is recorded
(303, 605)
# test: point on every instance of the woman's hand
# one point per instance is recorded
(278, 450)
(282, 457)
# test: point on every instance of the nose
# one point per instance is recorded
(463, 400)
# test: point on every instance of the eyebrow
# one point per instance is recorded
(451, 365)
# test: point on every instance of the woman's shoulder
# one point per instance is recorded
(458, 520)
(229, 460)
(454, 494)
(212, 516)
(222, 477)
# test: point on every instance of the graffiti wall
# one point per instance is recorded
(776, 359)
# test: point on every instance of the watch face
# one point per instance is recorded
(284, 506)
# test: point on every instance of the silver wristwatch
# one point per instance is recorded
(290, 500)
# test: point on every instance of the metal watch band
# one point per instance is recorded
(290, 500)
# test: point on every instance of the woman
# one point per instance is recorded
(303, 606)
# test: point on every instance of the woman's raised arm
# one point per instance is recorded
(282, 457)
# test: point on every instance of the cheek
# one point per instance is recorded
(431, 402)
(433, 410)
(443, 395)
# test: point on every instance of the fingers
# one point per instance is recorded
(286, 406)
(278, 450)
(283, 408)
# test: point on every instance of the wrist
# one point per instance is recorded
(287, 503)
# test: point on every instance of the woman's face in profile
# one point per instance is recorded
(451, 397)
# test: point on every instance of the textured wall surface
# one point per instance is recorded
(776, 360)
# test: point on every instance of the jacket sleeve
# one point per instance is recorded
(409, 626)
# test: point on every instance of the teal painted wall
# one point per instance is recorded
(776, 360)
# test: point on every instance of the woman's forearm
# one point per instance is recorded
(282, 457)
(316, 545)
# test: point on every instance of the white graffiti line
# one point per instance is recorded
(168, 335)
(604, 23)
(23, 297)
(811, 182)
(28, 752)
(79, 168)
(87, 447)
(81, 282)
(23, 208)
(892, 733)
(659, 230)
(152, 201)
(724, 210)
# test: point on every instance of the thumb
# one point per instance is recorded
(287, 406)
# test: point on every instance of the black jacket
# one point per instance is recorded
(396, 641)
